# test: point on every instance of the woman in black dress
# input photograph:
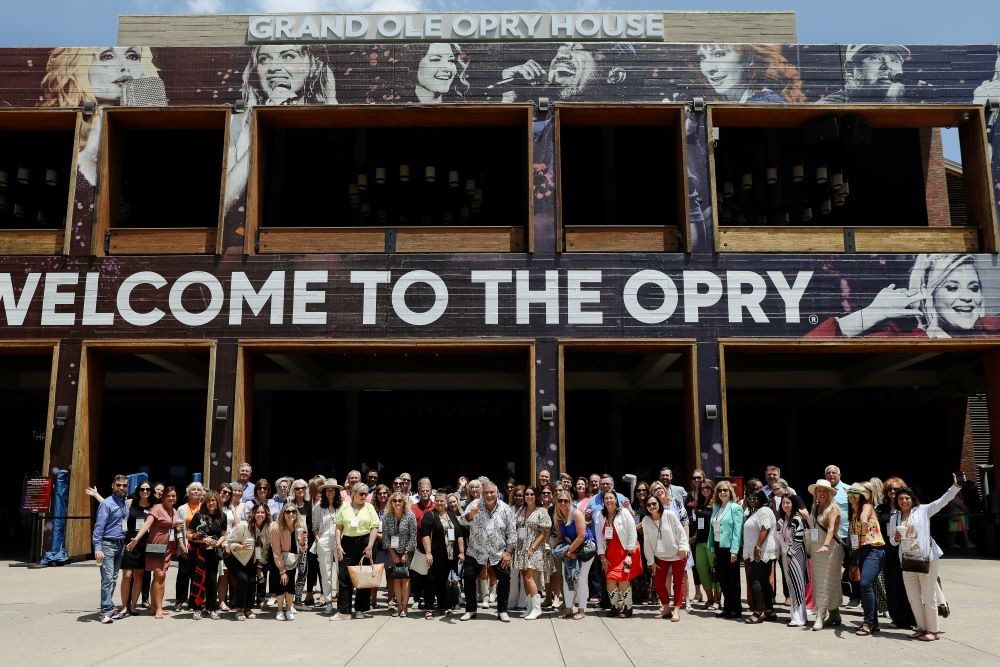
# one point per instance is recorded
(441, 535)
(206, 534)
(134, 562)
(895, 593)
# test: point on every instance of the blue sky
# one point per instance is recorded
(93, 23)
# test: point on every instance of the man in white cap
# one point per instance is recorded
(872, 72)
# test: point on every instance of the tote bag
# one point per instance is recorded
(366, 576)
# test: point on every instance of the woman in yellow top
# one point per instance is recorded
(357, 529)
(868, 549)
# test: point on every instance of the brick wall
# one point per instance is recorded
(935, 178)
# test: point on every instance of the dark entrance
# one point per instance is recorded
(439, 412)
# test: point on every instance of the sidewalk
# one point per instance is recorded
(50, 615)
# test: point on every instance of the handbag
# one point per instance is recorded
(587, 551)
(399, 571)
(156, 549)
(366, 576)
(917, 564)
(290, 559)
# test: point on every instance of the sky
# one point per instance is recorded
(95, 23)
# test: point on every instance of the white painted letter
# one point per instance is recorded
(576, 296)
(52, 297)
(14, 309)
(693, 299)
(549, 296)
(260, 27)
(791, 295)
(491, 302)
(176, 299)
(91, 292)
(302, 296)
(560, 26)
(737, 300)
(399, 298)
(125, 294)
(242, 290)
(370, 280)
(631, 296)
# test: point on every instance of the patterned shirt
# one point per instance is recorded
(405, 530)
(491, 533)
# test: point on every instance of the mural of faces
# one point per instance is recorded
(112, 68)
(877, 69)
(572, 68)
(958, 300)
(725, 68)
(436, 72)
(279, 74)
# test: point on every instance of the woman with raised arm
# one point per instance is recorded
(826, 553)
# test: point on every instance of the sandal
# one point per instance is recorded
(566, 614)
(251, 615)
(429, 616)
(770, 616)
(929, 637)
(864, 630)
(241, 617)
(917, 634)
(578, 616)
(753, 619)
(675, 618)
(394, 613)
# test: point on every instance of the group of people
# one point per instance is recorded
(247, 546)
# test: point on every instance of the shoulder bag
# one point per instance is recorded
(366, 576)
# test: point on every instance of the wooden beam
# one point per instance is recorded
(186, 366)
(302, 368)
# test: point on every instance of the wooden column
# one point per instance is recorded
(220, 466)
(991, 375)
(714, 455)
(86, 429)
(546, 387)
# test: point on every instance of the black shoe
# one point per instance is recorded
(944, 611)
(853, 603)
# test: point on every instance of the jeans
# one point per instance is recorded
(870, 560)
(113, 551)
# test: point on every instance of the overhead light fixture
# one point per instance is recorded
(747, 181)
(727, 190)
(470, 186)
(23, 175)
(380, 175)
(430, 174)
(772, 175)
(362, 182)
(51, 177)
(821, 175)
(404, 173)
(798, 172)
(837, 180)
(453, 179)
(807, 214)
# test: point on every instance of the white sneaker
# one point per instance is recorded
(280, 616)
(290, 615)
(504, 617)
(467, 616)
(485, 604)
(272, 602)
(340, 617)
(196, 616)
(328, 609)
(214, 615)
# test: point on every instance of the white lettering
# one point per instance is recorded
(587, 25)
(413, 26)
(272, 290)
(370, 280)
(488, 23)
(654, 25)
(91, 292)
(531, 23)
(576, 296)
(332, 26)
(399, 298)
(283, 27)
(261, 28)
(464, 26)
(357, 26)
(791, 295)
(616, 29)
(508, 26)
(491, 281)
(561, 24)
(389, 26)
(15, 309)
(634, 23)
(308, 27)
(693, 299)
(176, 299)
(549, 296)
(737, 300)
(631, 296)
(302, 296)
(125, 294)
(432, 26)
(52, 297)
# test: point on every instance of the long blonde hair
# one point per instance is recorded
(67, 75)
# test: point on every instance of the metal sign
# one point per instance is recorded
(36, 494)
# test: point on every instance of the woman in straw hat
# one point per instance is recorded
(324, 530)
(869, 550)
(826, 553)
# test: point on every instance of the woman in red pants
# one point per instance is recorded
(666, 550)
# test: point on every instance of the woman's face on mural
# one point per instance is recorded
(572, 68)
(724, 68)
(959, 299)
(282, 71)
(437, 69)
(111, 69)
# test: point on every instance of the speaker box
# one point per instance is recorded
(821, 129)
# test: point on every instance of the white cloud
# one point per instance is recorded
(286, 6)
(206, 6)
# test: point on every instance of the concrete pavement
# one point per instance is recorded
(49, 616)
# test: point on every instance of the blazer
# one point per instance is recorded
(669, 532)
(624, 526)
(730, 527)
(920, 522)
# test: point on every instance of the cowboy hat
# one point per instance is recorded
(862, 488)
(332, 484)
(821, 484)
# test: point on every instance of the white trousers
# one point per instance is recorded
(329, 577)
(921, 591)
(577, 598)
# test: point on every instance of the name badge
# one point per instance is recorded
(608, 533)
(394, 541)
(124, 525)
(451, 534)
(660, 546)
(855, 542)
(814, 534)
(380, 525)
(522, 533)
(701, 523)
(490, 526)
(355, 522)
(256, 553)
(172, 536)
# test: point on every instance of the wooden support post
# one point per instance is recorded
(220, 465)
(991, 375)
(547, 447)
(86, 434)
(714, 455)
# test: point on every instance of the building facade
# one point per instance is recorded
(505, 241)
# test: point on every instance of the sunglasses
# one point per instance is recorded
(224, 492)
(263, 488)
(289, 512)
(299, 488)
(653, 505)
(563, 501)
(397, 502)
(642, 490)
(121, 486)
(723, 490)
(144, 489)
(697, 478)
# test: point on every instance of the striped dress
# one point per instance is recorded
(796, 570)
